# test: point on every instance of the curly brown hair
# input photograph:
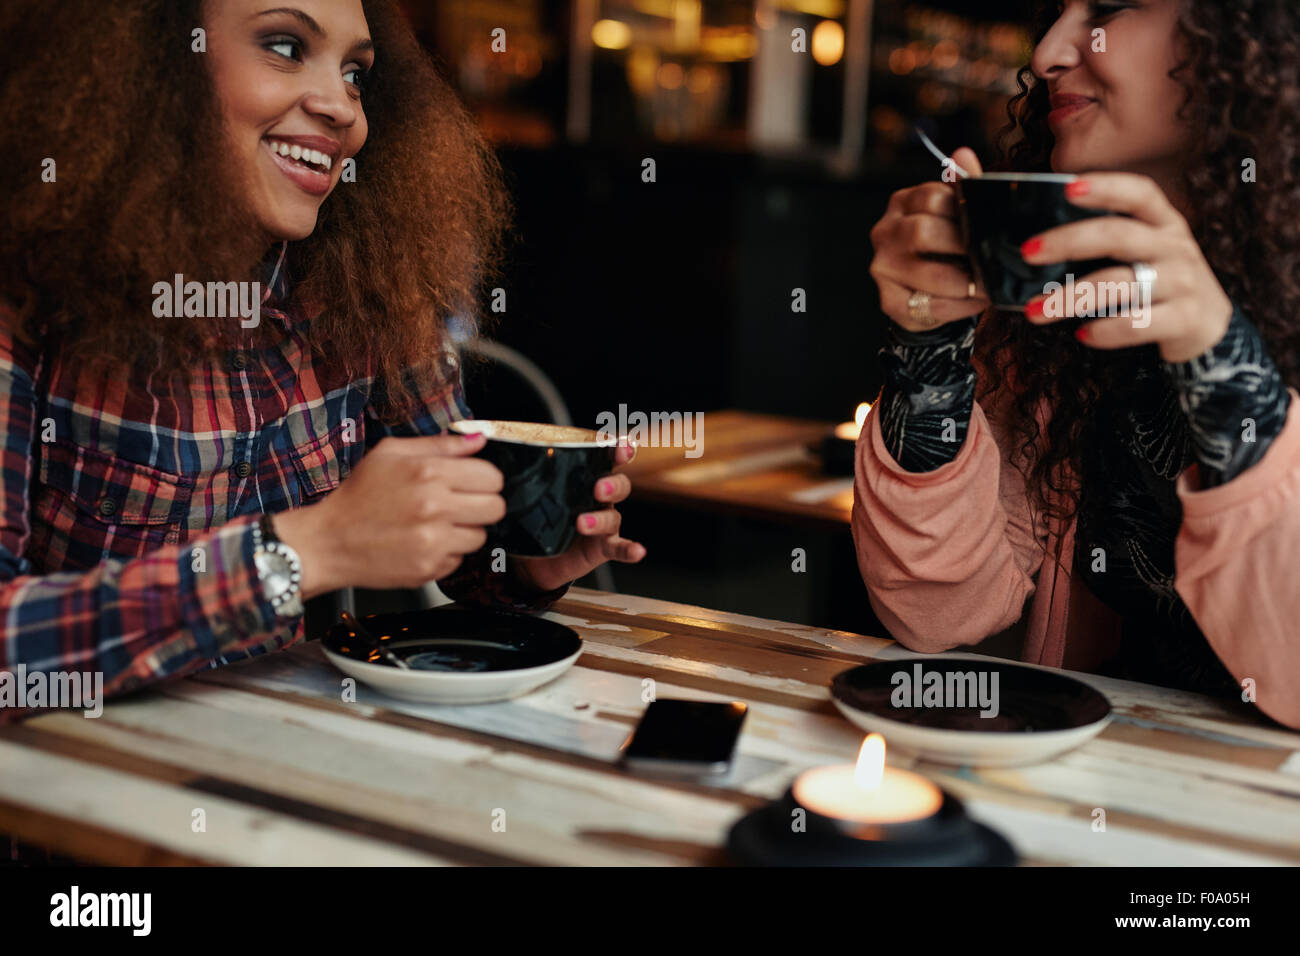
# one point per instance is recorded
(113, 93)
(1240, 67)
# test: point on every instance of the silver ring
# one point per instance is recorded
(918, 307)
(1145, 274)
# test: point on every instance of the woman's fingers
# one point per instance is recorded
(894, 296)
(937, 199)
(1116, 237)
(599, 522)
(622, 549)
(965, 158)
(1129, 193)
(1108, 292)
(474, 509)
(613, 488)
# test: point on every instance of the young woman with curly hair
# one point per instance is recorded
(1141, 480)
(151, 455)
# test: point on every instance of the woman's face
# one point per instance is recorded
(1114, 105)
(289, 81)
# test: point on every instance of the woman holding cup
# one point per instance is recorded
(203, 461)
(1140, 480)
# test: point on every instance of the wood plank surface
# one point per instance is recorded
(286, 770)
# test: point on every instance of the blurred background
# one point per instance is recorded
(778, 130)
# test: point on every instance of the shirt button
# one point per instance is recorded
(243, 469)
(107, 507)
(240, 360)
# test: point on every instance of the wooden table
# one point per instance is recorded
(751, 464)
(286, 772)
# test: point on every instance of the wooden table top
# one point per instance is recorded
(751, 464)
(286, 772)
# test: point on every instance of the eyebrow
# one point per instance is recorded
(362, 45)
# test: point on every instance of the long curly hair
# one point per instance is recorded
(1239, 64)
(114, 95)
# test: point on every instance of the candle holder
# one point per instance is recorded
(948, 837)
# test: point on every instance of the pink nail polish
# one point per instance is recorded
(606, 488)
(589, 521)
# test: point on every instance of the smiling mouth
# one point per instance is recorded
(1062, 113)
(309, 170)
(307, 158)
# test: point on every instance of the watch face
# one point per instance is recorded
(275, 571)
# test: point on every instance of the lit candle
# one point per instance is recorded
(851, 430)
(868, 792)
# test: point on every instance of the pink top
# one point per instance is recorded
(950, 556)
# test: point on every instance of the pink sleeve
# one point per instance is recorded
(1236, 564)
(948, 556)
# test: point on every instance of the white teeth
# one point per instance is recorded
(304, 155)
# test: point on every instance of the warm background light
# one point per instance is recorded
(828, 42)
(611, 34)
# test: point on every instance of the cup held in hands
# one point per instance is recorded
(550, 474)
(999, 211)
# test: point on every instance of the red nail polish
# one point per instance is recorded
(1034, 309)
(1079, 187)
(1081, 333)
(1030, 247)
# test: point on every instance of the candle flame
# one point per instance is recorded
(871, 763)
(860, 415)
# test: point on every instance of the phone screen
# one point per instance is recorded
(687, 735)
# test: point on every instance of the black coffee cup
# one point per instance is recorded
(999, 211)
(550, 476)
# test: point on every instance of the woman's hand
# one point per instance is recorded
(409, 513)
(920, 224)
(598, 540)
(1189, 311)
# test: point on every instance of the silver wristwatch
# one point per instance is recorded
(278, 570)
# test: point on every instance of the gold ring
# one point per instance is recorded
(918, 307)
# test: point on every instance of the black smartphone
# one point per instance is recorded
(685, 737)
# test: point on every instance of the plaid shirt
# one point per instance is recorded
(126, 545)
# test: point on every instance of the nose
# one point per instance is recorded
(1058, 52)
(330, 101)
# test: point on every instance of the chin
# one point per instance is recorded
(292, 228)
(1064, 161)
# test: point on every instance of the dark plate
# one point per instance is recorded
(1029, 700)
(459, 640)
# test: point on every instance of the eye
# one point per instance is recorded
(356, 76)
(280, 45)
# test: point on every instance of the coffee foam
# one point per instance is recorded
(530, 433)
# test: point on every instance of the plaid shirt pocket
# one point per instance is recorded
(91, 502)
(322, 465)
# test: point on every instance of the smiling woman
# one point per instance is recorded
(197, 473)
(163, 165)
(1136, 475)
